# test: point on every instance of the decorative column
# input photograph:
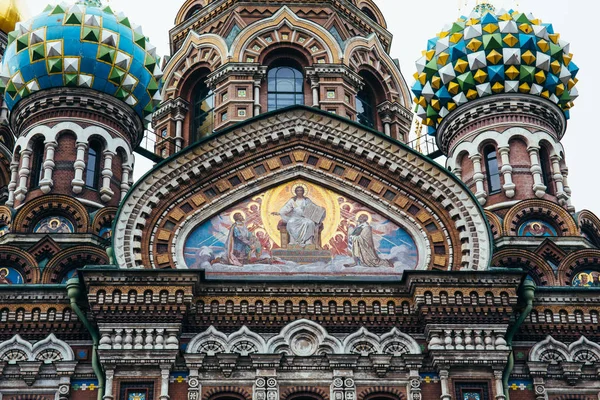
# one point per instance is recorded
(415, 385)
(565, 173)
(506, 169)
(3, 112)
(498, 383)
(458, 172)
(314, 85)
(46, 183)
(194, 387)
(257, 106)
(108, 386)
(127, 170)
(444, 383)
(164, 382)
(478, 177)
(539, 388)
(536, 170)
(14, 173)
(343, 388)
(105, 191)
(178, 132)
(558, 179)
(21, 191)
(77, 183)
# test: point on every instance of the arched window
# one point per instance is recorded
(92, 167)
(202, 112)
(546, 170)
(369, 14)
(365, 108)
(285, 87)
(492, 170)
(37, 163)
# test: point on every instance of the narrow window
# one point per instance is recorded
(492, 170)
(365, 108)
(285, 87)
(92, 167)
(546, 170)
(202, 112)
(37, 163)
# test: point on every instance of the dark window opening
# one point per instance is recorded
(546, 170)
(492, 170)
(369, 14)
(92, 167)
(285, 87)
(37, 164)
(202, 112)
(365, 108)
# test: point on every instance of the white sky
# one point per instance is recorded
(413, 22)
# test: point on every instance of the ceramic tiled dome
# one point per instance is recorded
(492, 52)
(82, 45)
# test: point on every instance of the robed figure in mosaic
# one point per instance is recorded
(241, 244)
(363, 247)
(302, 218)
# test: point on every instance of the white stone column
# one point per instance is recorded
(14, 176)
(4, 112)
(478, 177)
(536, 170)
(164, 383)
(506, 169)
(415, 385)
(78, 183)
(178, 132)
(444, 383)
(257, 106)
(565, 173)
(108, 385)
(46, 183)
(558, 179)
(499, 386)
(458, 172)
(125, 181)
(106, 193)
(314, 85)
(387, 128)
(24, 172)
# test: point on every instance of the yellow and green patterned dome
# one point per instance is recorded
(85, 45)
(491, 52)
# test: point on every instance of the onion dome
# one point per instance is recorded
(492, 52)
(10, 14)
(83, 45)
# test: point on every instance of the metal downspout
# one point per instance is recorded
(74, 292)
(527, 294)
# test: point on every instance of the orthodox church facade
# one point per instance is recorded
(289, 242)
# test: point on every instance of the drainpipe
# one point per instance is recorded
(527, 295)
(74, 293)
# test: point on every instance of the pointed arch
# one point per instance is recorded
(327, 47)
(304, 338)
(211, 342)
(550, 350)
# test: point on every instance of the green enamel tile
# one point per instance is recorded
(58, 10)
(90, 34)
(54, 65)
(139, 39)
(36, 53)
(73, 19)
(70, 79)
(121, 94)
(150, 63)
(106, 54)
(22, 42)
(116, 76)
(11, 90)
(152, 87)
(124, 21)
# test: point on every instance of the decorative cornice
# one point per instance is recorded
(334, 70)
(255, 70)
(77, 104)
(171, 107)
(500, 110)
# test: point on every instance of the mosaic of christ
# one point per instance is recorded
(300, 228)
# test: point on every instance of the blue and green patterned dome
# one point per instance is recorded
(489, 53)
(84, 45)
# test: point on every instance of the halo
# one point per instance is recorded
(253, 203)
(536, 225)
(5, 270)
(55, 219)
(368, 214)
(235, 212)
(350, 206)
(297, 185)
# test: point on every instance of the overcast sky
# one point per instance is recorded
(413, 22)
